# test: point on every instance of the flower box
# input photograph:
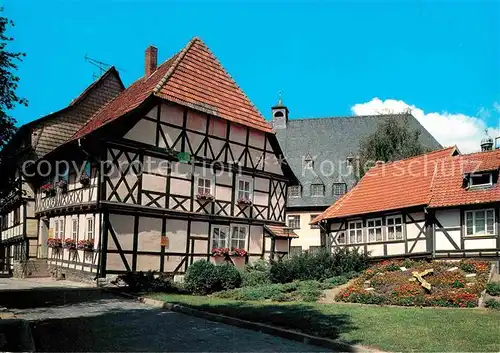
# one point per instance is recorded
(243, 201)
(84, 179)
(62, 185)
(69, 244)
(85, 245)
(205, 197)
(238, 252)
(48, 189)
(220, 252)
(54, 243)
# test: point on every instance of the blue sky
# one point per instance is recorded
(329, 58)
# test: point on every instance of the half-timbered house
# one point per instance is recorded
(18, 221)
(441, 205)
(178, 164)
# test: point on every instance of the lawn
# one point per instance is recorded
(382, 327)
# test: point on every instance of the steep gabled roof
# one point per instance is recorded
(193, 77)
(390, 186)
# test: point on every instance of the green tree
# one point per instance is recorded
(8, 83)
(393, 140)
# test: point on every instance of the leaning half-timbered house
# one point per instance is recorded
(179, 165)
(441, 205)
(18, 221)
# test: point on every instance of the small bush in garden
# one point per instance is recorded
(467, 267)
(493, 289)
(337, 280)
(203, 277)
(492, 304)
(318, 265)
(149, 282)
(256, 274)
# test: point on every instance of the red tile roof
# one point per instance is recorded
(390, 186)
(448, 185)
(193, 77)
(281, 232)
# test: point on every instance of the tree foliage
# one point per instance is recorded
(393, 140)
(8, 83)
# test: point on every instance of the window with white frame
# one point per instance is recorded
(220, 237)
(90, 228)
(483, 179)
(245, 189)
(317, 190)
(294, 222)
(374, 229)
(394, 228)
(74, 229)
(480, 222)
(59, 231)
(294, 191)
(339, 189)
(355, 232)
(239, 237)
(205, 186)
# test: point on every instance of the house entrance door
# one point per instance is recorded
(44, 235)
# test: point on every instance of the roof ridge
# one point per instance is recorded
(348, 116)
(93, 84)
(451, 148)
(171, 69)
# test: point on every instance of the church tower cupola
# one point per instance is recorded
(280, 114)
(487, 142)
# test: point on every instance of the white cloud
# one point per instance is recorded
(449, 129)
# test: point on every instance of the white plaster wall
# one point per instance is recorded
(307, 236)
(376, 250)
(256, 239)
(395, 249)
(442, 242)
(177, 235)
(479, 243)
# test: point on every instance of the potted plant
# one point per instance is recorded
(204, 196)
(48, 189)
(244, 202)
(86, 245)
(62, 185)
(69, 244)
(220, 255)
(237, 256)
(84, 179)
(55, 244)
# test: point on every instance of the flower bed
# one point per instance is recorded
(453, 284)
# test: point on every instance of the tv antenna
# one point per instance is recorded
(99, 64)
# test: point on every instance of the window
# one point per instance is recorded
(239, 237)
(220, 237)
(374, 228)
(59, 231)
(485, 179)
(294, 191)
(481, 222)
(341, 238)
(355, 232)
(394, 228)
(90, 228)
(17, 216)
(294, 222)
(244, 189)
(317, 190)
(74, 229)
(314, 226)
(5, 221)
(339, 189)
(205, 186)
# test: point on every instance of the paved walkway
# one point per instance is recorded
(106, 323)
(32, 283)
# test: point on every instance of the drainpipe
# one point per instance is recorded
(322, 228)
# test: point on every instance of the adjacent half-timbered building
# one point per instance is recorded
(19, 222)
(179, 164)
(441, 205)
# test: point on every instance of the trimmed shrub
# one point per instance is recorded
(256, 274)
(492, 304)
(493, 289)
(337, 281)
(318, 265)
(148, 282)
(203, 277)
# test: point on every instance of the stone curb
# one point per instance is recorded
(272, 330)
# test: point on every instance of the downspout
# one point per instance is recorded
(322, 228)
(101, 228)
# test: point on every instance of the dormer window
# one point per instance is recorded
(294, 191)
(308, 162)
(339, 189)
(480, 180)
(317, 190)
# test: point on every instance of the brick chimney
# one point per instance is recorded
(151, 61)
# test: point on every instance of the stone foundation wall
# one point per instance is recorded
(60, 273)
